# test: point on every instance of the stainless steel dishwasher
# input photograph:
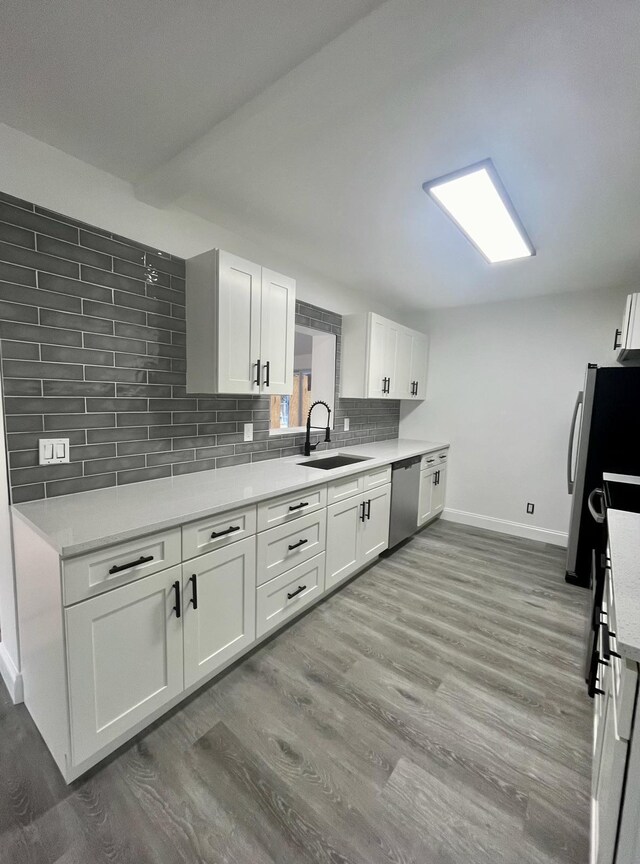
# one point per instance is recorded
(405, 491)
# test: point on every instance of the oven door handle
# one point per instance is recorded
(572, 435)
(598, 515)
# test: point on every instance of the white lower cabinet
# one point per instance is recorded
(124, 644)
(219, 608)
(124, 656)
(357, 532)
(343, 524)
(439, 488)
(425, 497)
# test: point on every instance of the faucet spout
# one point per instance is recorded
(308, 446)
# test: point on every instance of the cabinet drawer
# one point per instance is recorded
(429, 460)
(280, 511)
(100, 571)
(339, 490)
(218, 531)
(285, 596)
(379, 477)
(286, 546)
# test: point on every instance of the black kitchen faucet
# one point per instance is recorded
(308, 446)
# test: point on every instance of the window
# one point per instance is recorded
(314, 378)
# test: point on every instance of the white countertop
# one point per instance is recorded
(624, 542)
(79, 523)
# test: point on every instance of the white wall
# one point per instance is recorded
(37, 172)
(503, 379)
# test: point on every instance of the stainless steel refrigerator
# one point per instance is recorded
(604, 436)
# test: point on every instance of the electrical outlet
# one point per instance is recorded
(346, 424)
(53, 451)
(248, 431)
(530, 508)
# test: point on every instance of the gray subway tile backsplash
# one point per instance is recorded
(93, 352)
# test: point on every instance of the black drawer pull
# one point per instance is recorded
(143, 559)
(267, 373)
(298, 590)
(362, 508)
(194, 591)
(299, 543)
(615, 340)
(226, 531)
(369, 509)
(429, 461)
(258, 367)
(177, 608)
(298, 506)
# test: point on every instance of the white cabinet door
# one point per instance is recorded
(219, 605)
(439, 487)
(628, 338)
(124, 655)
(343, 524)
(277, 332)
(418, 376)
(239, 313)
(392, 339)
(374, 531)
(425, 498)
(401, 385)
(377, 354)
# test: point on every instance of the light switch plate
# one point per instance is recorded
(53, 451)
(248, 431)
(346, 424)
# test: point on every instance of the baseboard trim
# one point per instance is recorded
(504, 526)
(10, 675)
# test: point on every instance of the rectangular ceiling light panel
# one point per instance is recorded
(478, 203)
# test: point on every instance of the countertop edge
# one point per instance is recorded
(625, 566)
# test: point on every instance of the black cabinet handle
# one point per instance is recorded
(362, 516)
(143, 559)
(299, 543)
(298, 506)
(298, 590)
(615, 340)
(388, 385)
(267, 373)
(258, 367)
(226, 531)
(417, 388)
(177, 609)
(194, 591)
(429, 461)
(384, 385)
(369, 509)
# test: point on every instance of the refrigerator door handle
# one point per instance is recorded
(572, 435)
(598, 515)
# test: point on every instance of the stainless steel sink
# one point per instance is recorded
(328, 462)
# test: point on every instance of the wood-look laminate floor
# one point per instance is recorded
(431, 711)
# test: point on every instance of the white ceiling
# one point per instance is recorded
(311, 126)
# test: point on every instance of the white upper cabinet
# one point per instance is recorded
(627, 339)
(240, 326)
(382, 359)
